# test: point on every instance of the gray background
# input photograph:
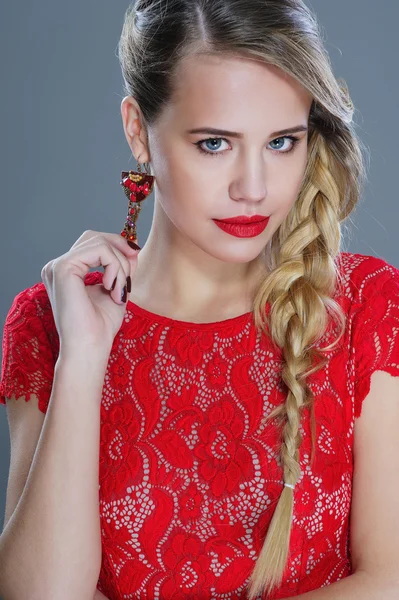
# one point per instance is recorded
(63, 145)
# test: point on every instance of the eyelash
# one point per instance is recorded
(293, 138)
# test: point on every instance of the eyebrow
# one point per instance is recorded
(234, 134)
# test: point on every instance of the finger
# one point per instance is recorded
(128, 268)
(82, 258)
(116, 239)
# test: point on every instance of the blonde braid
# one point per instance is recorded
(300, 288)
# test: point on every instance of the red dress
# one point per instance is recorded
(188, 474)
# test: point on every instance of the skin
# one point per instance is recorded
(189, 269)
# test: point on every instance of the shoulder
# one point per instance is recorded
(37, 295)
(31, 344)
(363, 277)
(31, 308)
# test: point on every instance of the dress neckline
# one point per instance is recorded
(156, 318)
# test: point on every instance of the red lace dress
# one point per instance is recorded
(188, 474)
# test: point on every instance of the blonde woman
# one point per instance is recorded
(216, 414)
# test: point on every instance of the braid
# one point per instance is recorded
(300, 288)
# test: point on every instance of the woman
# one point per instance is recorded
(225, 373)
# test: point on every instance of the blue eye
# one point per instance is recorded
(217, 140)
(293, 139)
(281, 139)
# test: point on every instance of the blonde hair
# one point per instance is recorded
(302, 254)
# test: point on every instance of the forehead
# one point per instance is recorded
(239, 91)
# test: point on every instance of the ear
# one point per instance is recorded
(134, 129)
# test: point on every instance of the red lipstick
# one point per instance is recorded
(243, 226)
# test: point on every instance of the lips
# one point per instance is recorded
(241, 230)
(243, 219)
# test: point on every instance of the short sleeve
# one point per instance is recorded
(375, 328)
(30, 347)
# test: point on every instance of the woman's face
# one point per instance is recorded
(206, 176)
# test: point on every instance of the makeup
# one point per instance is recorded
(241, 229)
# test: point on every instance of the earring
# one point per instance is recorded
(137, 186)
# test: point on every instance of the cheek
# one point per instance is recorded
(181, 187)
(292, 175)
(181, 198)
(286, 190)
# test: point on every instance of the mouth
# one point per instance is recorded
(243, 220)
(250, 228)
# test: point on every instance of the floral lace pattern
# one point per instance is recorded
(189, 474)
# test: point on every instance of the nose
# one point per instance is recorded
(249, 183)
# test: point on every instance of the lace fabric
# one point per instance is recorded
(188, 472)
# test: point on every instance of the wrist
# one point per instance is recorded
(83, 361)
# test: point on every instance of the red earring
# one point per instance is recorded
(137, 186)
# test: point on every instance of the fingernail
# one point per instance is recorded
(133, 245)
(113, 285)
(129, 284)
(124, 294)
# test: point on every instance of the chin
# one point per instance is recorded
(237, 255)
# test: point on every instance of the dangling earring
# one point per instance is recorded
(137, 186)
